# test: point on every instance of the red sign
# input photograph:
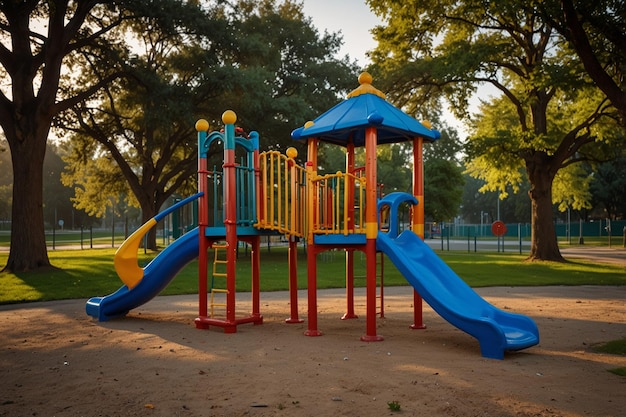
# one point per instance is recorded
(498, 228)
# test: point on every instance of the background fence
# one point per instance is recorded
(517, 235)
(478, 237)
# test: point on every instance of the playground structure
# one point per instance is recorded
(268, 193)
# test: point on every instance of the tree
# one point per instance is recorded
(448, 48)
(266, 62)
(443, 189)
(137, 141)
(40, 43)
(95, 179)
(609, 187)
(6, 179)
(286, 70)
(56, 197)
(595, 30)
(443, 178)
(515, 208)
(393, 167)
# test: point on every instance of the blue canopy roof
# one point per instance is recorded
(365, 106)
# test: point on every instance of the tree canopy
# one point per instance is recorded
(609, 187)
(548, 116)
(40, 43)
(595, 30)
(143, 124)
(84, 60)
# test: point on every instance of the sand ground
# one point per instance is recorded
(57, 361)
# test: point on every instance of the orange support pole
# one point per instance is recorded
(312, 198)
(418, 187)
(371, 232)
(350, 253)
(260, 192)
(418, 220)
(311, 169)
(293, 244)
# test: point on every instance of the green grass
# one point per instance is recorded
(59, 238)
(87, 273)
(495, 269)
(614, 347)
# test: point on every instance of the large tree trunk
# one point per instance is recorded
(151, 237)
(28, 239)
(148, 212)
(544, 245)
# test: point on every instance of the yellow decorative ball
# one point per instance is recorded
(229, 117)
(427, 124)
(308, 124)
(365, 78)
(202, 125)
(291, 152)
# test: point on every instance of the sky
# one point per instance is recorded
(352, 18)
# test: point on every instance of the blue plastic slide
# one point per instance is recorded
(496, 330)
(156, 276)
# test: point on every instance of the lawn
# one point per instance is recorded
(87, 273)
(84, 239)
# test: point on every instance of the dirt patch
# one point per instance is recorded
(57, 361)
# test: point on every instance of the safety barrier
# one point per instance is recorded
(282, 199)
(245, 192)
(338, 204)
(337, 201)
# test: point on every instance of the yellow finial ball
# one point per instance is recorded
(202, 125)
(229, 117)
(365, 78)
(308, 124)
(291, 152)
(427, 124)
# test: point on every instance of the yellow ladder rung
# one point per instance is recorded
(216, 262)
(213, 304)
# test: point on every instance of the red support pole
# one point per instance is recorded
(312, 291)
(256, 279)
(371, 232)
(203, 210)
(203, 216)
(230, 219)
(293, 281)
(349, 286)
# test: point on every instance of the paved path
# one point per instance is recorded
(615, 254)
(597, 253)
